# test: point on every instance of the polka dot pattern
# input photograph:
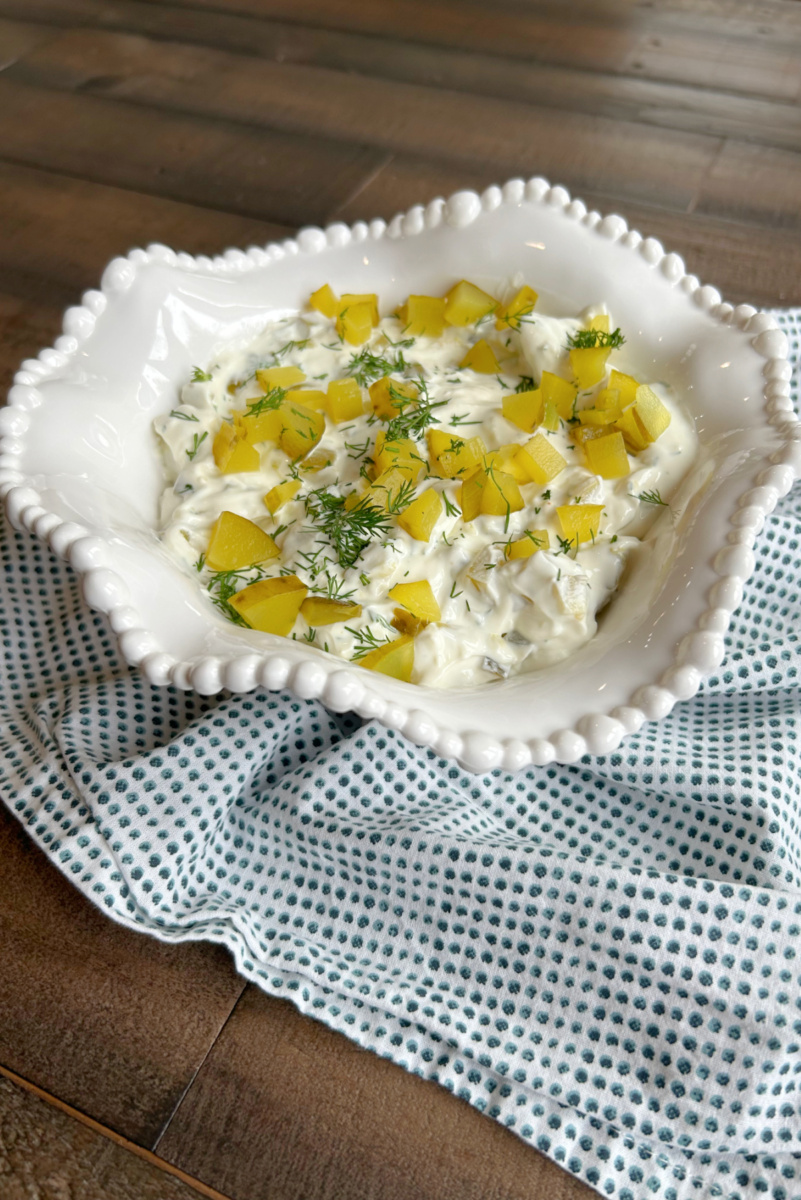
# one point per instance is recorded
(604, 957)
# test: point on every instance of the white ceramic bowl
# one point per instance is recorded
(78, 465)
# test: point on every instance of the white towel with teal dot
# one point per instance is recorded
(604, 957)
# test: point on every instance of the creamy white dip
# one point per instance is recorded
(498, 617)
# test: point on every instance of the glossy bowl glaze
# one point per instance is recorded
(79, 467)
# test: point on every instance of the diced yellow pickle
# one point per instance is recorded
(500, 494)
(550, 416)
(645, 421)
(652, 416)
(493, 492)
(301, 430)
(524, 409)
(606, 456)
(317, 610)
(422, 515)
(281, 494)
(318, 460)
(423, 316)
(388, 489)
(559, 392)
(283, 377)
(600, 323)
(236, 542)
(232, 453)
(344, 400)
(355, 323)
(509, 315)
(451, 456)
(481, 358)
(532, 541)
(325, 301)
(470, 494)
(581, 434)
(259, 427)
(368, 298)
(595, 416)
(310, 397)
(465, 304)
(505, 459)
(418, 598)
(404, 622)
(395, 658)
(540, 459)
(402, 454)
(608, 400)
(271, 605)
(388, 396)
(589, 365)
(626, 387)
(580, 521)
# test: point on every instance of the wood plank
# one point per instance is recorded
(25, 328)
(18, 37)
(671, 106)
(62, 231)
(749, 264)
(621, 158)
(272, 176)
(679, 47)
(752, 183)
(46, 1153)
(325, 1119)
(78, 993)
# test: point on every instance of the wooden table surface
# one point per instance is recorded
(210, 123)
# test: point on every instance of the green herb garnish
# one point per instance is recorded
(197, 442)
(589, 339)
(199, 376)
(348, 530)
(179, 416)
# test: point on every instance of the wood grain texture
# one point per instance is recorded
(46, 1155)
(112, 1022)
(694, 109)
(663, 166)
(325, 1120)
(744, 55)
(62, 231)
(256, 173)
(17, 38)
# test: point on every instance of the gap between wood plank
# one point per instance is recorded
(147, 1155)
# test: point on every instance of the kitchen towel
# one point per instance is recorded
(604, 957)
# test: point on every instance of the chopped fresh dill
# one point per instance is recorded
(179, 416)
(197, 442)
(454, 594)
(199, 376)
(462, 419)
(279, 354)
(225, 584)
(365, 367)
(348, 530)
(366, 641)
(364, 580)
(414, 416)
(652, 497)
(450, 508)
(359, 449)
(546, 495)
(182, 491)
(310, 635)
(333, 589)
(589, 339)
(613, 538)
(201, 562)
(526, 384)
(271, 401)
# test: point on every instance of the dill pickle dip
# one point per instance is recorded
(517, 571)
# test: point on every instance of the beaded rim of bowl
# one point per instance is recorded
(340, 688)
